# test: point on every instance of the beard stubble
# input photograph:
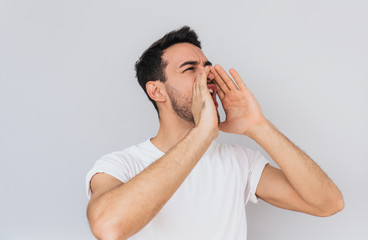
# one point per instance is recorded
(182, 104)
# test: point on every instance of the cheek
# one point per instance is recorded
(187, 91)
(190, 89)
(188, 83)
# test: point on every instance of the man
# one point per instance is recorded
(181, 184)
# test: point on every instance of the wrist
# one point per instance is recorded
(260, 129)
(205, 132)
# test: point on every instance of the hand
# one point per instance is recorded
(242, 110)
(203, 107)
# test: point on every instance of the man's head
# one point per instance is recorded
(169, 67)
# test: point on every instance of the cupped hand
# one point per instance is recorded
(242, 110)
(203, 107)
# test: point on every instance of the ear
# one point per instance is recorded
(156, 91)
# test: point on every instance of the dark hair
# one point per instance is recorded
(150, 66)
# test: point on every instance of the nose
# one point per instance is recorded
(210, 76)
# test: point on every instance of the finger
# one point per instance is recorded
(205, 73)
(197, 85)
(220, 93)
(226, 78)
(203, 78)
(219, 81)
(206, 94)
(239, 81)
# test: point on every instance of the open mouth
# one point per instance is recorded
(212, 88)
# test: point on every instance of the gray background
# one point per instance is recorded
(68, 95)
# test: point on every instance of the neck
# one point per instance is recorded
(172, 130)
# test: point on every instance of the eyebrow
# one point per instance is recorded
(207, 63)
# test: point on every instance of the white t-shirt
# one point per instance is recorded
(210, 203)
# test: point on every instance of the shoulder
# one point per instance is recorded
(122, 165)
(247, 157)
(221, 148)
(226, 149)
(130, 160)
(127, 155)
(247, 153)
(116, 157)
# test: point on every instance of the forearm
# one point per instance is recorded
(306, 177)
(129, 207)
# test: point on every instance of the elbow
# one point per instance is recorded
(332, 207)
(105, 226)
(107, 230)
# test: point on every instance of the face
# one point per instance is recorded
(184, 62)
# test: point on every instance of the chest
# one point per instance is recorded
(212, 193)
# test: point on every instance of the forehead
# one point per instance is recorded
(182, 52)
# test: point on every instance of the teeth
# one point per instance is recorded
(210, 90)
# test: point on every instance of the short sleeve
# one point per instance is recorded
(252, 164)
(112, 164)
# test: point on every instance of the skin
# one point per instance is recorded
(119, 210)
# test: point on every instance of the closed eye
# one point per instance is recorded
(191, 68)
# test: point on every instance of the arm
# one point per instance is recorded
(300, 184)
(123, 209)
